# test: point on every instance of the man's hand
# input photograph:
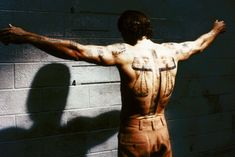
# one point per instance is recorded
(12, 34)
(219, 26)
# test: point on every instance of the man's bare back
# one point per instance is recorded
(148, 78)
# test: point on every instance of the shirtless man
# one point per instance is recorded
(147, 72)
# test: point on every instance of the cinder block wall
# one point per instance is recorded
(53, 107)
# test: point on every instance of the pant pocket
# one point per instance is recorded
(132, 150)
(133, 145)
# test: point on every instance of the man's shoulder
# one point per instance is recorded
(165, 49)
(170, 45)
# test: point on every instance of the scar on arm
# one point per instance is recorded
(169, 45)
(73, 43)
(100, 52)
(119, 49)
(184, 49)
(185, 45)
(55, 40)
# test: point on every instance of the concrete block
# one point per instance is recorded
(202, 143)
(19, 53)
(47, 6)
(221, 44)
(20, 101)
(224, 152)
(109, 143)
(12, 5)
(66, 145)
(39, 125)
(44, 23)
(7, 76)
(90, 74)
(91, 26)
(167, 29)
(227, 100)
(7, 128)
(213, 89)
(41, 75)
(114, 74)
(25, 121)
(114, 153)
(13, 102)
(78, 97)
(101, 154)
(91, 119)
(85, 6)
(206, 68)
(25, 73)
(7, 121)
(27, 148)
(105, 95)
(180, 128)
(54, 99)
(192, 106)
(37, 6)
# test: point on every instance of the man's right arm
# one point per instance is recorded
(66, 49)
(56, 47)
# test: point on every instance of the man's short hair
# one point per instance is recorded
(135, 24)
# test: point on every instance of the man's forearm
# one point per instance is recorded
(205, 40)
(56, 47)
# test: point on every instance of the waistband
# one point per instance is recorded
(150, 116)
(153, 122)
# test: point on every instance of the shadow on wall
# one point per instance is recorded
(45, 135)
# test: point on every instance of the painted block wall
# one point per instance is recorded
(53, 107)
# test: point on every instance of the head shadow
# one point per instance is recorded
(40, 130)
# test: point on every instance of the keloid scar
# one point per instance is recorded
(142, 67)
(169, 84)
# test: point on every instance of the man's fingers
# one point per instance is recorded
(219, 21)
(3, 33)
(220, 26)
(5, 29)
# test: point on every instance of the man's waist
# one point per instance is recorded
(139, 116)
(141, 122)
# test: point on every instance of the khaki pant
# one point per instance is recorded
(147, 137)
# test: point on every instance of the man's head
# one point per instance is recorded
(134, 25)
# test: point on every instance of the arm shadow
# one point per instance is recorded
(39, 132)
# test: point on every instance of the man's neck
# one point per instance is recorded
(144, 42)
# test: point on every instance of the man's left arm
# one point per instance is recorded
(184, 50)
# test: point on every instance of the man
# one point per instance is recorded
(147, 72)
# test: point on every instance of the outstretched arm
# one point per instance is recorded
(186, 49)
(66, 49)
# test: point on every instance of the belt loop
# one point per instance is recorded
(140, 125)
(153, 125)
